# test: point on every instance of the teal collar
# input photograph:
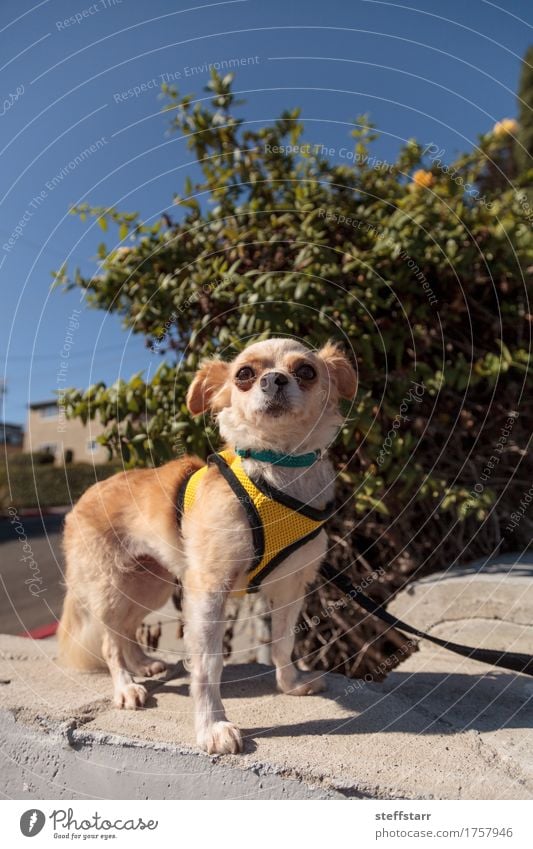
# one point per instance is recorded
(267, 456)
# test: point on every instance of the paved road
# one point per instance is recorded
(30, 589)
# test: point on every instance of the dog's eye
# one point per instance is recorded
(305, 372)
(245, 374)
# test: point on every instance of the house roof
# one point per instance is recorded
(36, 405)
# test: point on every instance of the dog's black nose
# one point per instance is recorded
(271, 379)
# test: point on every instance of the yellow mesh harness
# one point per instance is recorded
(279, 523)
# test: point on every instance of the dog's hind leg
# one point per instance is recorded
(135, 593)
(140, 663)
(126, 693)
(289, 678)
(148, 587)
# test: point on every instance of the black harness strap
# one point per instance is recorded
(254, 519)
(293, 503)
(278, 558)
(515, 661)
(180, 497)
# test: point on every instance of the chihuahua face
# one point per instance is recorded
(276, 394)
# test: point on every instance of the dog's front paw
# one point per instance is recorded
(221, 738)
(130, 696)
(304, 684)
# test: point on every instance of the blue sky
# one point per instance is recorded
(441, 72)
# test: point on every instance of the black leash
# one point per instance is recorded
(515, 661)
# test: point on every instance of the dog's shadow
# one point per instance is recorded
(420, 703)
(239, 681)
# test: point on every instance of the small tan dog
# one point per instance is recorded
(277, 404)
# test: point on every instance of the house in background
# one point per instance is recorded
(69, 440)
(11, 437)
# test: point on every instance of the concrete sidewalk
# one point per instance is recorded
(439, 727)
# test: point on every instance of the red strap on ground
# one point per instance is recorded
(41, 632)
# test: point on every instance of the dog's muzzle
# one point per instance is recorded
(272, 385)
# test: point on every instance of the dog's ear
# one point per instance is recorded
(340, 369)
(209, 391)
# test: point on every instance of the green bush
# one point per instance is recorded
(35, 459)
(424, 280)
(24, 485)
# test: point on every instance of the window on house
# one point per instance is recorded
(92, 446)
(48, 412)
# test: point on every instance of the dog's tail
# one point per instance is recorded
(80, 637)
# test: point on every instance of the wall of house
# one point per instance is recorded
(48, 430)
